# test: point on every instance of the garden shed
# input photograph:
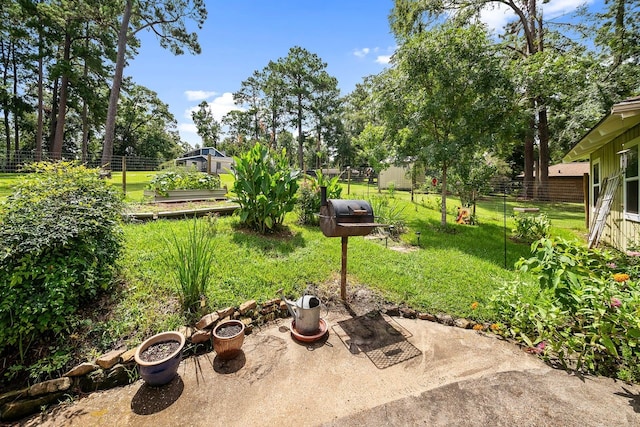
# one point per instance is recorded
(399, 177)
(199, 157)
(614, 191)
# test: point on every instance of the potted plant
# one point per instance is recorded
(228, 338)
(158, 357)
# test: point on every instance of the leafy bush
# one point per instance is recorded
(192, 261)
(265, 188)
(183, 179)
(531, 227)
(579, 311)
(59, 239)
(309, 199)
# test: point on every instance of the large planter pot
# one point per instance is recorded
(162, 371)
(227, 345)
(187, 195)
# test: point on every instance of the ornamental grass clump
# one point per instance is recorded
(578, 312)
(192, 262)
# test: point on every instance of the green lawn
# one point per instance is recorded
(450, 269)
(446, 273)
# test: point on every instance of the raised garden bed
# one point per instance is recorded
(151, 211)
(187, 195)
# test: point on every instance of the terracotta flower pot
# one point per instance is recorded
(162, 371)
(226, 345)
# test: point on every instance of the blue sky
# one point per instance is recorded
(241, 36)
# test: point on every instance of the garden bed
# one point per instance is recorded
(187, 195)
(149, 211)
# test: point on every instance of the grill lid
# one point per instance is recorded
(354, 209)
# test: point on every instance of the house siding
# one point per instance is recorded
(617, 232)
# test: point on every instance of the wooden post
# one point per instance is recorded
(585, 193)
(348, 180)
(208, 164)
(124, 175)
(343, 272)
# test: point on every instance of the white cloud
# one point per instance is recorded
(187, 128)
(383, 59)
(556, 8)
(218, 106)
(361, 53)
(198, 95)
(496, 15)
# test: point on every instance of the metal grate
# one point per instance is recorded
(379, 337)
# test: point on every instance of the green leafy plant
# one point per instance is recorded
(389, 213)
(308, 204)
(192, 261)
(60, 236)
(183, 179)
(531, 227)
(579, 310)
(392, 189)
(265, 188)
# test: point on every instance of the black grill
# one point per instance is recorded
(340, 218)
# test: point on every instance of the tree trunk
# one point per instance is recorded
(40, 127)
(16, 113)
(300, 136)
(85, 108)
(543, 153)
(443, 205)
(529, 156)
(5, 103)
(110, 128)
(274, 128)
(54, 112)
(56, 149)
(318, 148)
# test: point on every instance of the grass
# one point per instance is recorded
(450, 268)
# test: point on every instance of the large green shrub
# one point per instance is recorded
(582, 310)
(59, 238)
(183, 179)
(265, 188)
(308, 205)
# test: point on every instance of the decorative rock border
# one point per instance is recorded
(118, 368)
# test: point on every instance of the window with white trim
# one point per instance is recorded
(595, 181)
(631, 186)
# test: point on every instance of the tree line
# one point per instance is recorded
(63, 89)
(456, 100)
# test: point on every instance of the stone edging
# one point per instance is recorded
(117, 367)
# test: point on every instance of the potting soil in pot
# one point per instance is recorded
(228, 331)
(159, 351)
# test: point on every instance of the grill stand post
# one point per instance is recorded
(343, 273)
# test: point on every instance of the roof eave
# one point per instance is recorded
(623, 116)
